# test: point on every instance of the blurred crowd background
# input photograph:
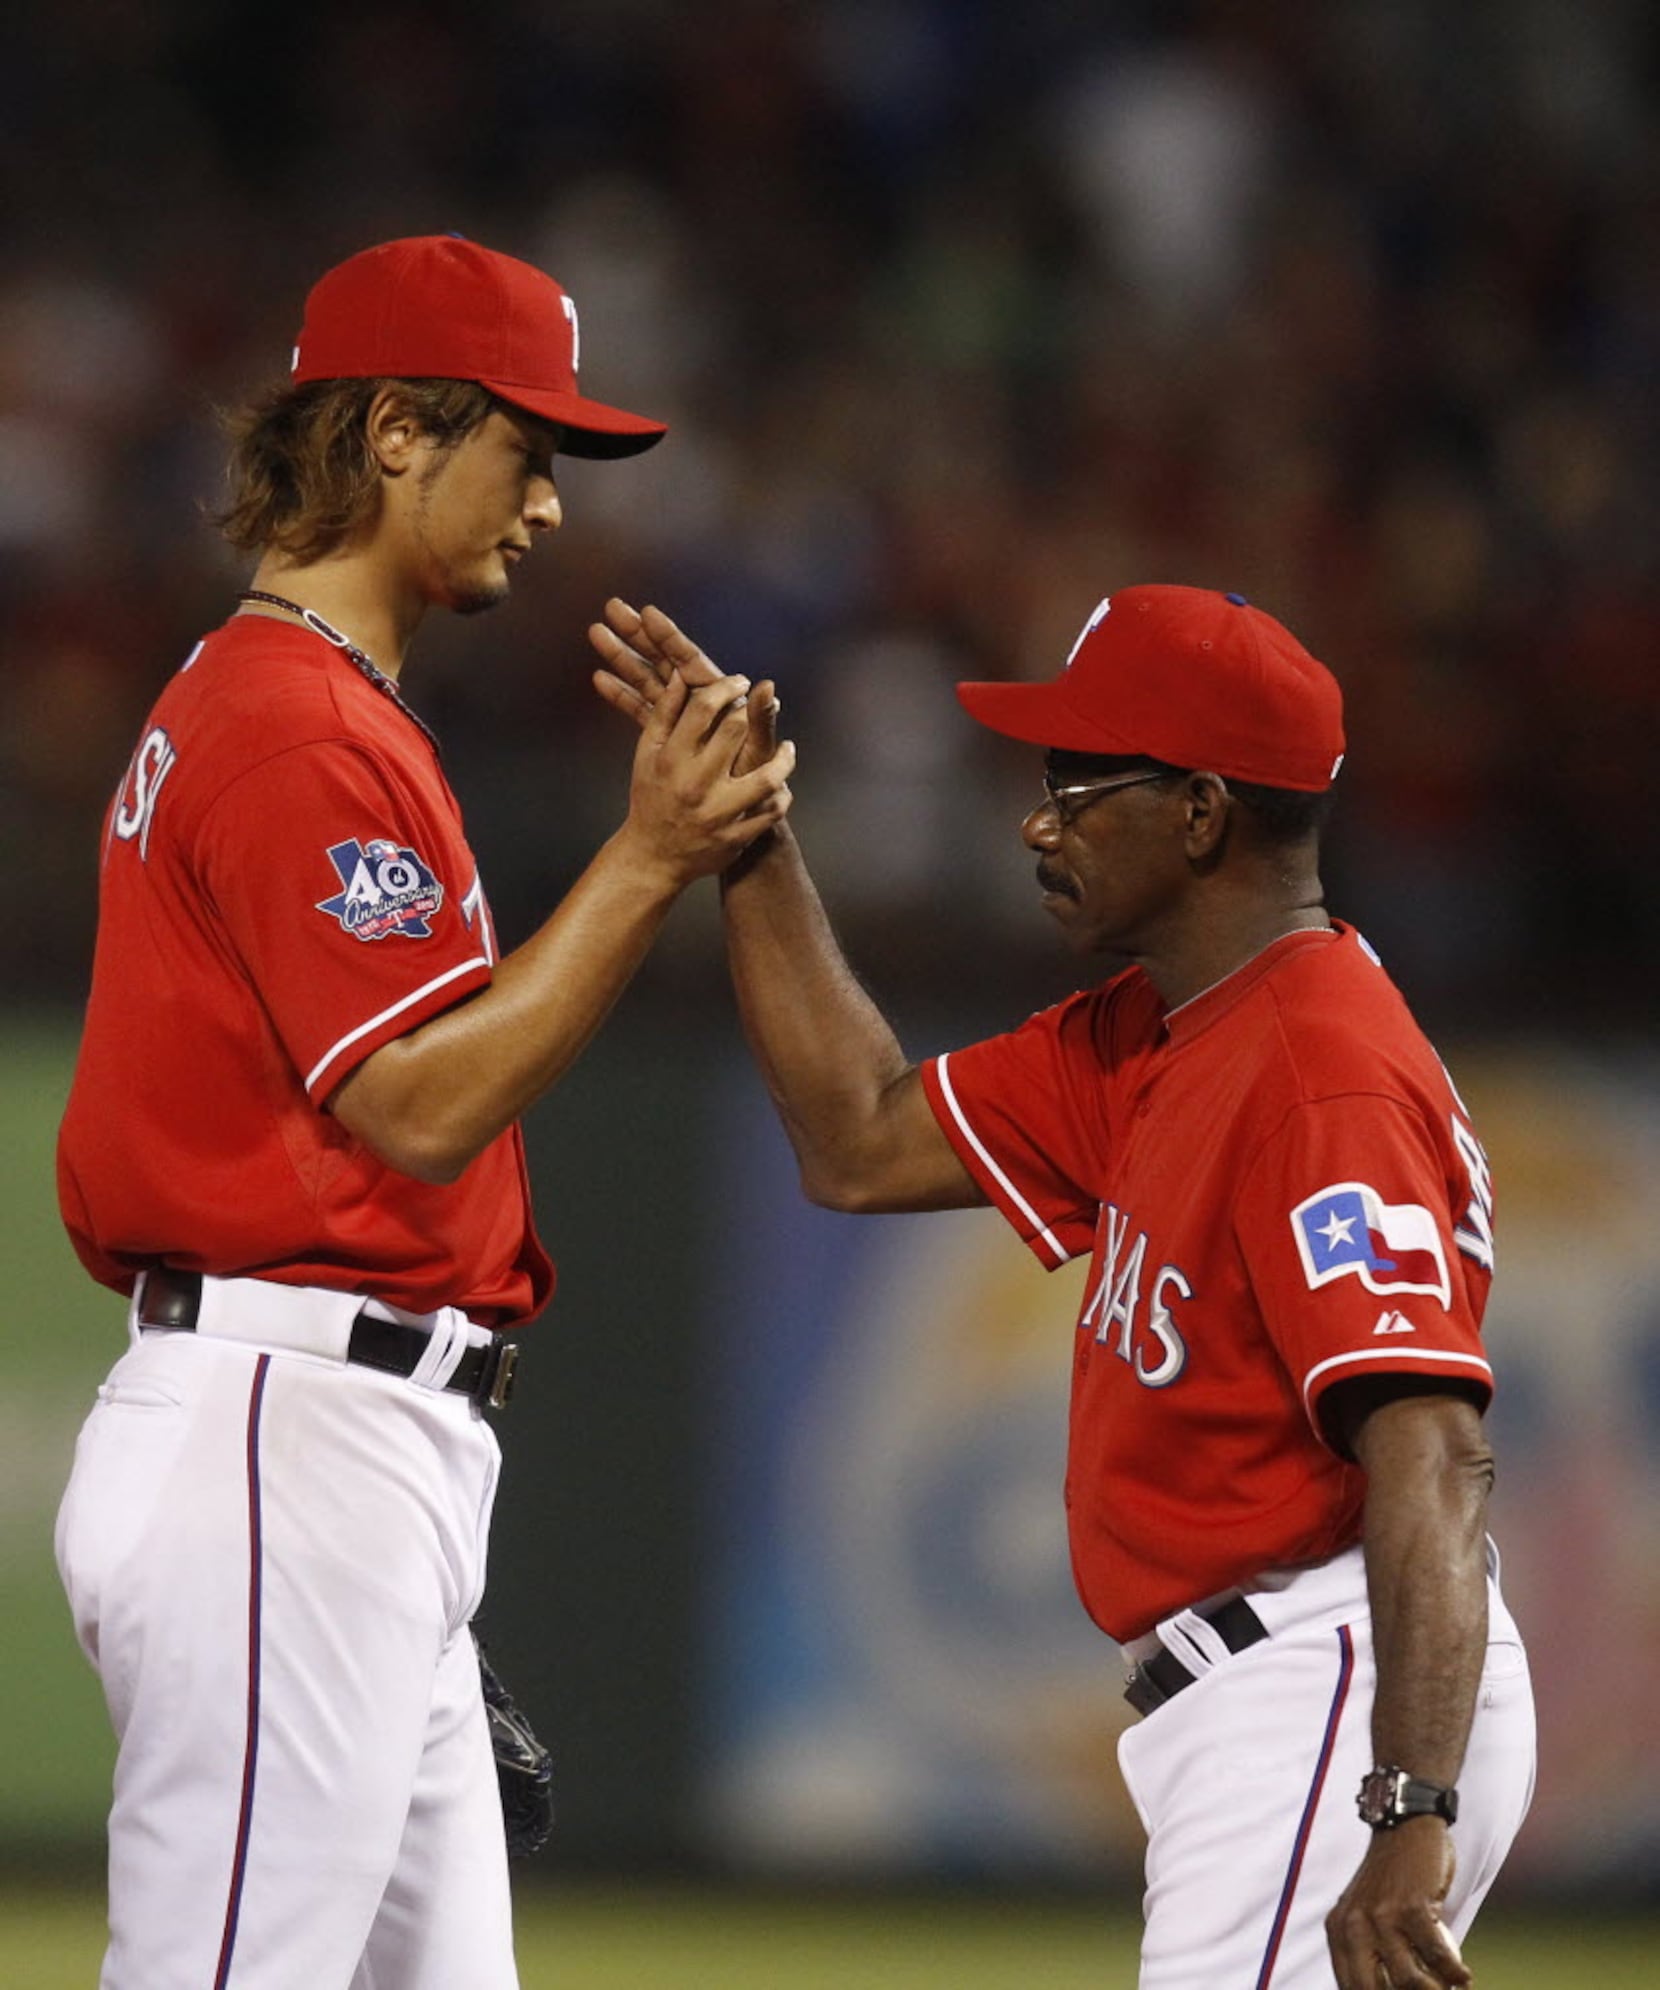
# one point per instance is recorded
(963, 315)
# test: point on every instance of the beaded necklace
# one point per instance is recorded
(362, 661)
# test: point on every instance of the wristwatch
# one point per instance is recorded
(1388, 1796)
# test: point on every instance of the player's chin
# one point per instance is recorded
(478, 592)
(1085, 940)
(1076, 934)
(1080, 929)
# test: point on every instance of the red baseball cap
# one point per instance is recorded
(438, 307)
(1187, 676)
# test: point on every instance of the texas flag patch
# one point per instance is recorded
(385, 889)
(1389, 1246)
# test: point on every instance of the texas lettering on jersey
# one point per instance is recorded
(1474, 1235)
(1151, 1343)
(386, 888)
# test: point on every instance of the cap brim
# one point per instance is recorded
(590, 427)
(1039, 714)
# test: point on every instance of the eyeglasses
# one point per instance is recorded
(1069, 799)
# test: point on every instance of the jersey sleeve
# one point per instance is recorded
(348, 900)
(1345, 1220)
(1018, 1109)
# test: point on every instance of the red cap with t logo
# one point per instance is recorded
(1184, 675)
(438, 307)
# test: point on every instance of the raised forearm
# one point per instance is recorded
(430, 1102)
(853, 1107)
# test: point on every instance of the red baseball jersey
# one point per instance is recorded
(285, 887)
(1280, 1188)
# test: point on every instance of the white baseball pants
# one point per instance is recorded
(1246, 1784)
(272, 1559)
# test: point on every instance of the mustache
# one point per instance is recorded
(1055, 881)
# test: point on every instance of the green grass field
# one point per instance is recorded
(621, 1938)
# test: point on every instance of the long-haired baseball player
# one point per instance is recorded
(1277, 1478)
(293, 1140)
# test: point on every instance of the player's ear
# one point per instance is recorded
(1205, 802)
(391, 430)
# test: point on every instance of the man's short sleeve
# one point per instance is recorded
(1027, 1121)
(349, 899)
(1344, 1220)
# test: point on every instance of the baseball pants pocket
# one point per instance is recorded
(1496, 1781)
(125, 1455)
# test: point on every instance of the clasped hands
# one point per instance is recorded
(709, 775)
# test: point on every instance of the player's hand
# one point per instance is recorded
(643, 651)
(1386, 1933)
(690, 813)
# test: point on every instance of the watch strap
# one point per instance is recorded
(1389, 1796)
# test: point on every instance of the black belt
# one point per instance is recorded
(1163, 1676)
(173, 1299)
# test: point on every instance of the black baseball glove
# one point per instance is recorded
(524, 1768)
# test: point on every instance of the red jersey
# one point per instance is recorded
(285, 887)
(1281, 1189)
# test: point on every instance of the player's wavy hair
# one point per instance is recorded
(302, 475)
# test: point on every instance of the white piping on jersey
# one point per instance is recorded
(1062, 1254)
(1392, 1354)
(386, 1015)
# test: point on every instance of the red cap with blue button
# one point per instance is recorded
(1188, 676)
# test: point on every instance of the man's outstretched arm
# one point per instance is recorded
(853, 1106)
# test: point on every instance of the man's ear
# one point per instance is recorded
(391, 431)
(1207, 804)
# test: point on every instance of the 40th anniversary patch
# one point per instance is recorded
(385, 888)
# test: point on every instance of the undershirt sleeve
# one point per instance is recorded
(349, 901)
(1345, 1222)
(1028, 1124)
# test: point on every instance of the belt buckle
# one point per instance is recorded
(495, 1384)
